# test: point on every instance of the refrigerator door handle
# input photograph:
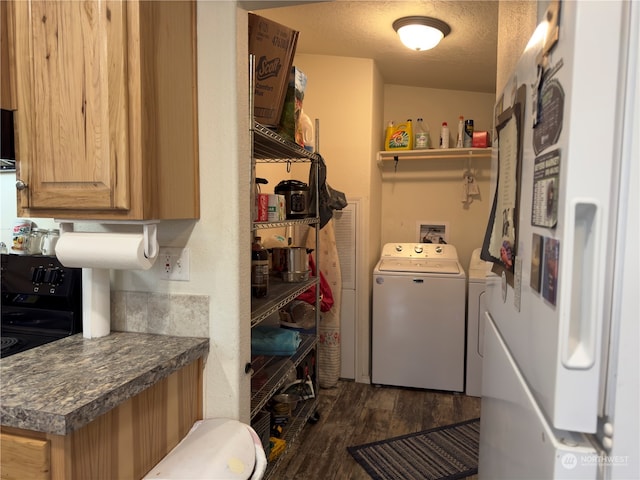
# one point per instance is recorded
(579, 326)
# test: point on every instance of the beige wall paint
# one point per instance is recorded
(345, 94)
(432, 189)
(516, 23)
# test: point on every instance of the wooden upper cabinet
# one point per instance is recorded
(106, 109)
(7, 71)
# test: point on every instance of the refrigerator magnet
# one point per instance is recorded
(551, 257)
(551, 115)
(536, 263)
(546, 180)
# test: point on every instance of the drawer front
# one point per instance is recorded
(23, 457)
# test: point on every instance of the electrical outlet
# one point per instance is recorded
(174, 263)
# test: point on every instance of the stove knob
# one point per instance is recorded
(37, 275)
(55, 277)
(52, 276)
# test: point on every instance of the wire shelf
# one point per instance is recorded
(268, 146)
(286, 223)
(296, 423)
(280, 294)
(277, 369)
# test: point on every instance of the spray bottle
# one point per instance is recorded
(460, 137)
(444, 135)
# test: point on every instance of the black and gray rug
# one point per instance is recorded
(442, 453)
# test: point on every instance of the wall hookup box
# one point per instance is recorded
(274, 47)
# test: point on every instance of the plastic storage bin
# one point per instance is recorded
(214, 448)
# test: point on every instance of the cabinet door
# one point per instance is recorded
(24, 457)
(73, 141)
(7, 83)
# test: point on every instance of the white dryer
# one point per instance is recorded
(418, 320)
(478, 271)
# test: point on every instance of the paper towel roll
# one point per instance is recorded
(119, 251)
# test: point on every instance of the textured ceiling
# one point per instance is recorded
(464, 60)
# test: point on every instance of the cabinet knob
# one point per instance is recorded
(20, 185)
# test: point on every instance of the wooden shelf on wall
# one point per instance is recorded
(434, 154)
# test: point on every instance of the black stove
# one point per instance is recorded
(41, 302)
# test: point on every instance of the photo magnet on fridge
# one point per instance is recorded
(536, 263)
(546, 180)
(550, 262)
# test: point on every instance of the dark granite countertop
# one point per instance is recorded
(62, 386)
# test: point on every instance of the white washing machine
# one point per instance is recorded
(478, 271)
(418, 321)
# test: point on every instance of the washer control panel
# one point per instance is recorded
(419, 250)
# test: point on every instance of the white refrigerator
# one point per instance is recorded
(560, 388)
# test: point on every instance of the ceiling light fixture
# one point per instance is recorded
(421, 33)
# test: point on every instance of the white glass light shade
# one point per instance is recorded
(420, 33)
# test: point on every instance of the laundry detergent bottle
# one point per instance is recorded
(401, 137)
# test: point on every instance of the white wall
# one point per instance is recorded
(432, 189)
(219, 242)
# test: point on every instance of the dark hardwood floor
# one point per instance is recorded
(356, 413)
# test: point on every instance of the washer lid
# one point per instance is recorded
(418, 265)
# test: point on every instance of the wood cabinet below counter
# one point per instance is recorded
(124, 443)
(103, 408)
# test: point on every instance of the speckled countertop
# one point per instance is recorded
(62, 386)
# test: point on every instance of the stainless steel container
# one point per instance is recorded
(291, 262)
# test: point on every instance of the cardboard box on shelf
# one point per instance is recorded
(274, 46)
(289, 125)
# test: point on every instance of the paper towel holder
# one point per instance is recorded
(149, 230)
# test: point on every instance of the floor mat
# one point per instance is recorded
(449, 452)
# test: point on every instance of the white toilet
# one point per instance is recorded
(217, 448)
(478, 271)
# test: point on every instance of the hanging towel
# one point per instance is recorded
(266, 340)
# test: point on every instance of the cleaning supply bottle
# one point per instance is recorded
(388, 134)
(259, 269)
(444, 135)
(409, 130)
(308, 137)
(460, 137)
(468, 133)
(421, 136)
(401, 137)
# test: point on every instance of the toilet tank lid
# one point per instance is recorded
(214, 448)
